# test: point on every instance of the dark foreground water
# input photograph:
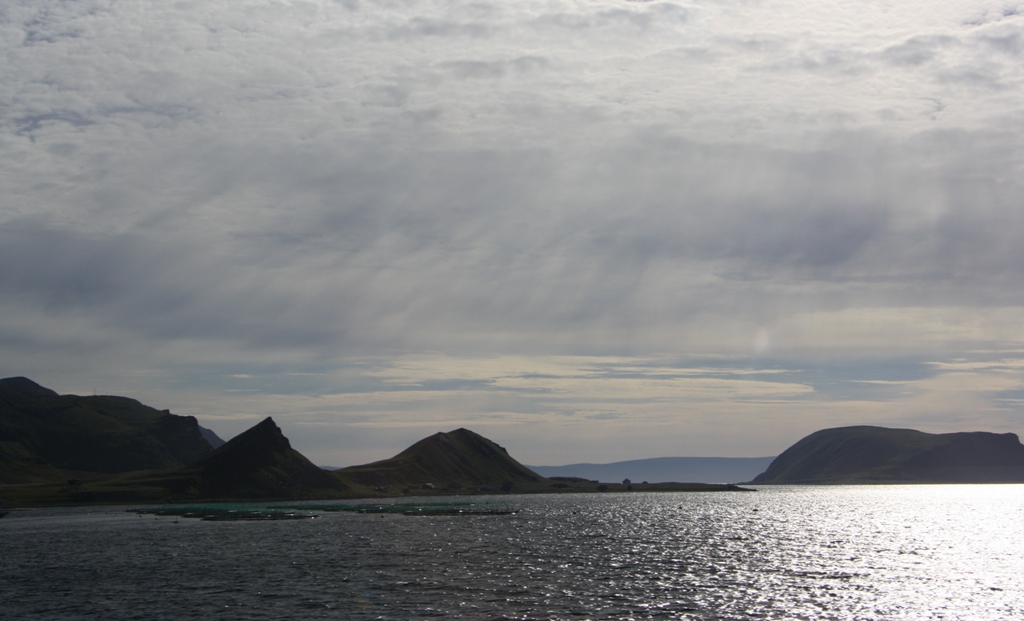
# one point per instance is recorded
(926, 552)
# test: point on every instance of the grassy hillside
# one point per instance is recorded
(867, 454)
(457, 460)
(463, 462)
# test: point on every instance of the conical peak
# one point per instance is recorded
(260, 463)
(267, 424)
(265, 432)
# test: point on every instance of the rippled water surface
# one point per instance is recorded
(915, 552)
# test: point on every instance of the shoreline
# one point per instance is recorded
(610, 488)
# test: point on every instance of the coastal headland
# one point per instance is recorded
(74, 450)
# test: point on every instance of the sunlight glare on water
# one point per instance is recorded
(849, 553)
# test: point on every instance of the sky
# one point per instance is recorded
(590, 230)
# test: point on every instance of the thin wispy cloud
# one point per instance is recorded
(317, 201)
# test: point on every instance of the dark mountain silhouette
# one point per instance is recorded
(261, 463)
(454, 460)
(867, 454)
(66, 449)
(25, 386)
(41, 431)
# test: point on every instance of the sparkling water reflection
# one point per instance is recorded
(912, 552)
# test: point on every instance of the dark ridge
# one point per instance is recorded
(102, 434)
(454, 460)
(26, 386)
(260, 463)
(866, 454)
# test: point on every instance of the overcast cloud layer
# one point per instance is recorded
(590, 230)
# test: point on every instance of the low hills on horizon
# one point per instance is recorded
(68, 449)
(659, 469)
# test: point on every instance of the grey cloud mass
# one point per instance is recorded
(648, 228)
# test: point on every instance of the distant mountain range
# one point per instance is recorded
(67, 449)
(661, 469)
(866, 454)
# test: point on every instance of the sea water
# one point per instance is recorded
(892, 552)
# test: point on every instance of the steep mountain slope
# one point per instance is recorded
(260, 463)
(867, 454)
(90, 434)
(455, 460)
(211, 437)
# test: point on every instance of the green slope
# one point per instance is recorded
(457, 460)
(866, 454)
